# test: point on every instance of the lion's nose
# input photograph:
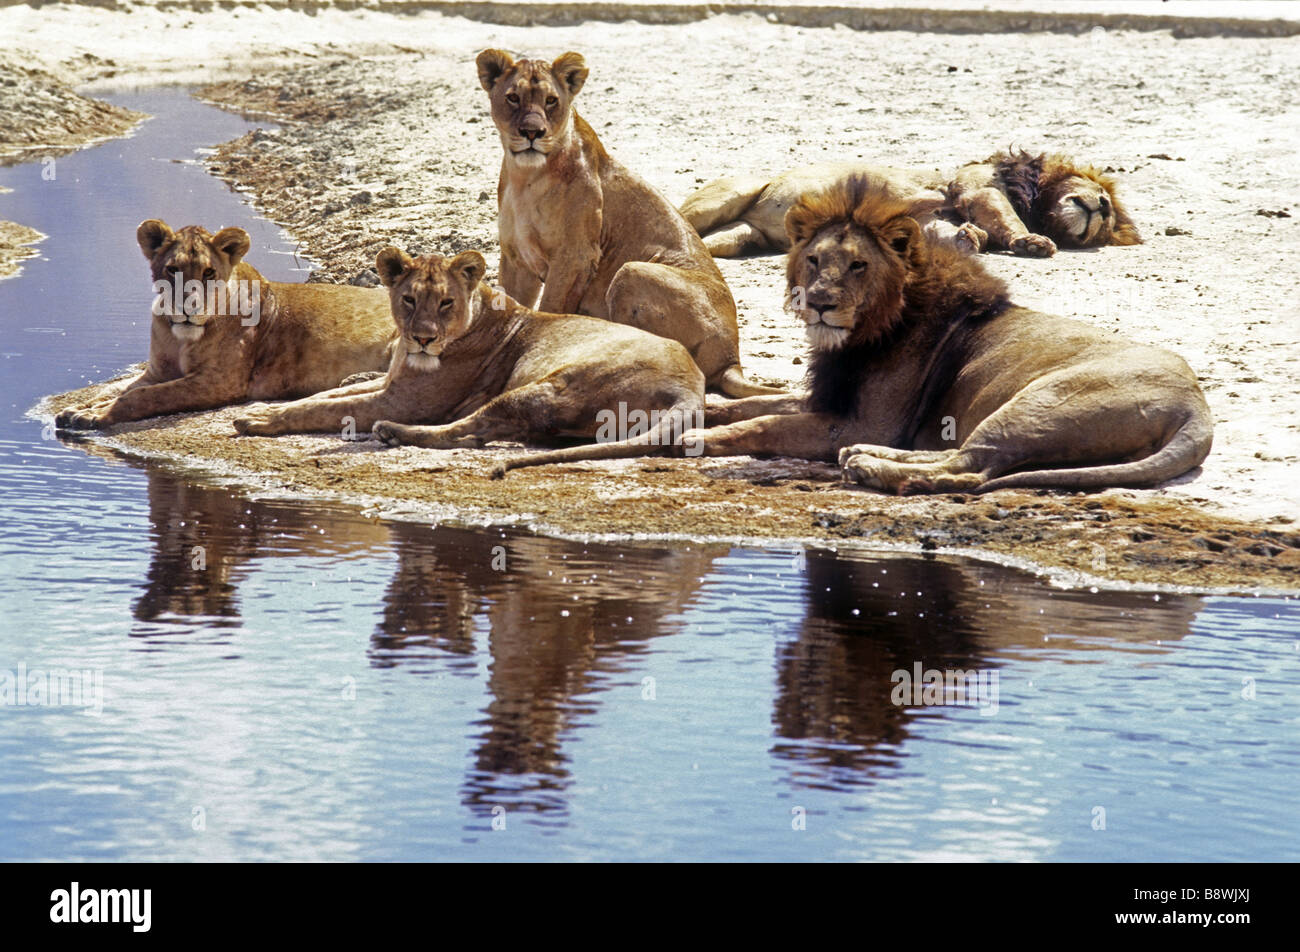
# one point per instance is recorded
(820, 303)
(424, 341)
(531, 128)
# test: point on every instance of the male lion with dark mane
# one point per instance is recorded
(1014, 201)
(925, 377)
(592, 237)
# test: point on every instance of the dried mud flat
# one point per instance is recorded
(396, 146)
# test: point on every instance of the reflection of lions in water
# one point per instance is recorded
(1011, 201)
(240, 337)
(926, 378)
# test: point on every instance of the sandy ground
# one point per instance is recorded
(386, 139)
(44, 116)
(15, 244)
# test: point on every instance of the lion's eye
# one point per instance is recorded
(408, 301)
(512, 99)
(812, 260)
(209, 274)
(551, 102)
(172, 269)
(858, 266)
(445, 304)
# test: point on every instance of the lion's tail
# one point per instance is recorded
(657, 441)
(1186, 450)
(734, 383)
(722, 201)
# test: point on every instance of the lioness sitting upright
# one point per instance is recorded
(926, 378)
(479, 367)
(223, 334)
(591, 236)
(1012, 201)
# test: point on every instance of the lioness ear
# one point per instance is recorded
(152, 235)
(391, 264)
(571, 69)
(491, 65)
(470, 265)
(903, 235)
(231, 242)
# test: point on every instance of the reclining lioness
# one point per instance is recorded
(223, 334)
(589, 235)
(483, 367)
(925, 377)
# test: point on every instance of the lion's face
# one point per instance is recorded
(434, 300)
(532, 101)
(192, 265)
(846, 279)
(1079, 209)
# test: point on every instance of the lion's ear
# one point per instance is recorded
(492, 64)
(233, 243)
(152, 235)
(1125, 232)
(800, 223)
(903, 235)
(571, 69)
(469, 265)
(391, 264)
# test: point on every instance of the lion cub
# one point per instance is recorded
(592, 237)
(223, 334)
(484, 367)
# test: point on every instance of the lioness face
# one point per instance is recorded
(178, 258)
(846, 280)
(1081, 212)
(532, 101)
(433, 299)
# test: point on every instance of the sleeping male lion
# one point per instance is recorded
(1013, 201)
(482, 367)
(223, 334)
(589, 235)
(926, 378)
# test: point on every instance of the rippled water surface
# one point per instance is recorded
(282, 681)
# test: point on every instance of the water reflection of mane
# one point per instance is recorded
(562, 621)
(834, 717)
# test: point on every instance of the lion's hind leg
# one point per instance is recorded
(735, 239)
(532, 411)
(691, 307)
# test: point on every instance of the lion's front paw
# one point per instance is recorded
(256, 421)
(80, 418)
(971, 239)
(866, 470)
(386, 431)
(362, 377)
(1033, 246)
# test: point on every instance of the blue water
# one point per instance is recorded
(282, 681)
